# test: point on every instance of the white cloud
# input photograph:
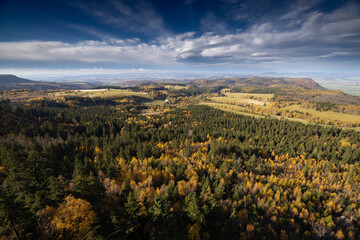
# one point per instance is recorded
(260, 54)
(120, 51)
(335, 54)
(318, 34)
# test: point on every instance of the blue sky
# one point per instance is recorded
(168, 35)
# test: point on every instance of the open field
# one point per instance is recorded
(328, 115)
(240, 110)
(176, 87)
(91, 90)
(244, 98)
(155, 103)
(231, 108)
(240, 100)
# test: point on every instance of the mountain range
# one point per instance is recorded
(8, 82)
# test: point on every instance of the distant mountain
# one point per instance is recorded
(303, 83)
(8, 82)
(6, 79)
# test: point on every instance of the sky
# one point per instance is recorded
(60, 37)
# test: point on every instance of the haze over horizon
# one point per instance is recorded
(78, 38)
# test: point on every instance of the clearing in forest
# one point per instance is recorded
(244, 98)
(327, 115)
(176, 87)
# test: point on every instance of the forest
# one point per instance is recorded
(97, 169)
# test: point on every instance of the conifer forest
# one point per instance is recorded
(97, 169)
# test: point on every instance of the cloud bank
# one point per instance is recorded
(300, 35)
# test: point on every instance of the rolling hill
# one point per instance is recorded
(8, 82)
(301, 83)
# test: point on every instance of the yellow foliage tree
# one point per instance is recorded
(339, 235)
(73, 218)
(194, 232)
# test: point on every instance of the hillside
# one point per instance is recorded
(301, 83)
(9, 82)
(7, 79)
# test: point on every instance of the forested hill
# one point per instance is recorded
(301, 83)
(13, 82)
(8, 82)
(6, 79)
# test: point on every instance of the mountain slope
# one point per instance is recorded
(7, 79)
(8, 82)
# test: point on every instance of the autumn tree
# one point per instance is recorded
(74, 218)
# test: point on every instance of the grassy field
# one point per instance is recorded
(239, 110)
(328, 115)
(234, 109)
(100, 93)
(244, 98)
(176, 87)
(155, 103)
